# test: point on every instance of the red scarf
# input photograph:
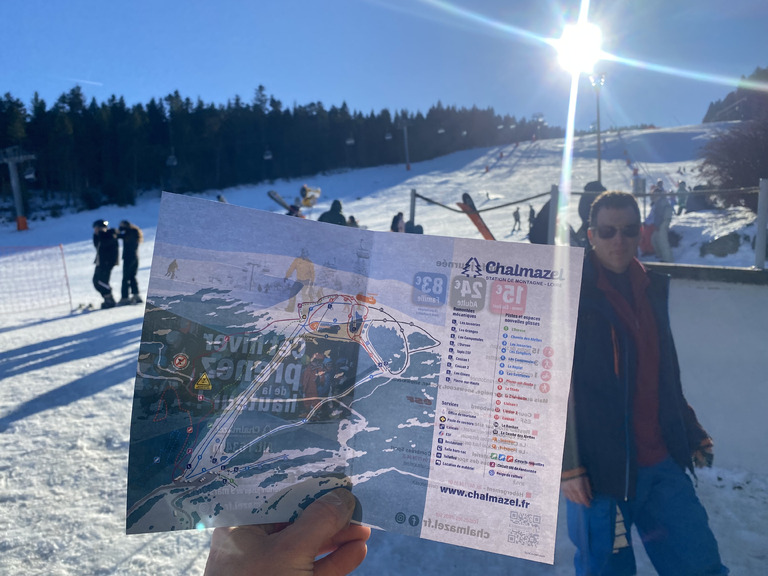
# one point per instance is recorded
(641, 324)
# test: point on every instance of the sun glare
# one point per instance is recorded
(579, 48)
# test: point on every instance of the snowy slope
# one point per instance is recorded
(66, 381)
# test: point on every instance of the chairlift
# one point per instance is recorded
(171, 161)
(441, 131)
(268, 155)
(29, 173)
(463, 132)
(350, 141)
(388, 136)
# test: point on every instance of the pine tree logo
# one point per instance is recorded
(472, 268)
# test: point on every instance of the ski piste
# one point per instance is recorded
(468, 206)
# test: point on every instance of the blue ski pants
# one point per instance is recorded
(670, 520)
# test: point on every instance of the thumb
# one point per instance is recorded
(322, 519)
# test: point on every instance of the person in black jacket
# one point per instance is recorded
(107, 251)
(334, 215)
(591, 191)
(631, 434)
(131, 236)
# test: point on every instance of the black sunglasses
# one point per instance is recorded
(608, 232)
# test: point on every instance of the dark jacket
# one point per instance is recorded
(107, 250)
(334, 215)
(599, 434)
(131, 237)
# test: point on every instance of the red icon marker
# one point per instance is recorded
(180, 361)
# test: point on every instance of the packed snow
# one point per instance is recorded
(66, 379)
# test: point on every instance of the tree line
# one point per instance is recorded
(96, 153)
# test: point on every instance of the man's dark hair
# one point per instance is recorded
(613, 199)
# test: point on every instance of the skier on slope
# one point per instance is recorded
(516, 215)
(107, 252)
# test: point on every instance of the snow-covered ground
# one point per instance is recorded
(66, 381)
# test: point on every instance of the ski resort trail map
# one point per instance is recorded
(282, 358)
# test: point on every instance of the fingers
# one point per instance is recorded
(291, 549)
(230, 548)
(344, 559)
(322, 520)
(577, 490)
(345, 535)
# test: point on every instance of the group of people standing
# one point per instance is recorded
(105, 239)
(516, 217)
(400, 225)
(332, 216)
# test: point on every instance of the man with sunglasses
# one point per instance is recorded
(631, 434)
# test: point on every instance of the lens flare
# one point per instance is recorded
(578, 49)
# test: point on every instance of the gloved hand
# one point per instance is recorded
(704, 454)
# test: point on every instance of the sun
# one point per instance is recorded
(580, 47)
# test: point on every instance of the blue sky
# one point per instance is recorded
(374, 54)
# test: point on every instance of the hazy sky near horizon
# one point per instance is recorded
(395, 54)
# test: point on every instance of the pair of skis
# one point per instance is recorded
(468, 207)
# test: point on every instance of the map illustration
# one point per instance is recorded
(282, 358)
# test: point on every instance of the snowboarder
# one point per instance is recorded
(131, 236)
(334, 215)
(352, 222)
(308, 196)
(516, 216)
(107, 252)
